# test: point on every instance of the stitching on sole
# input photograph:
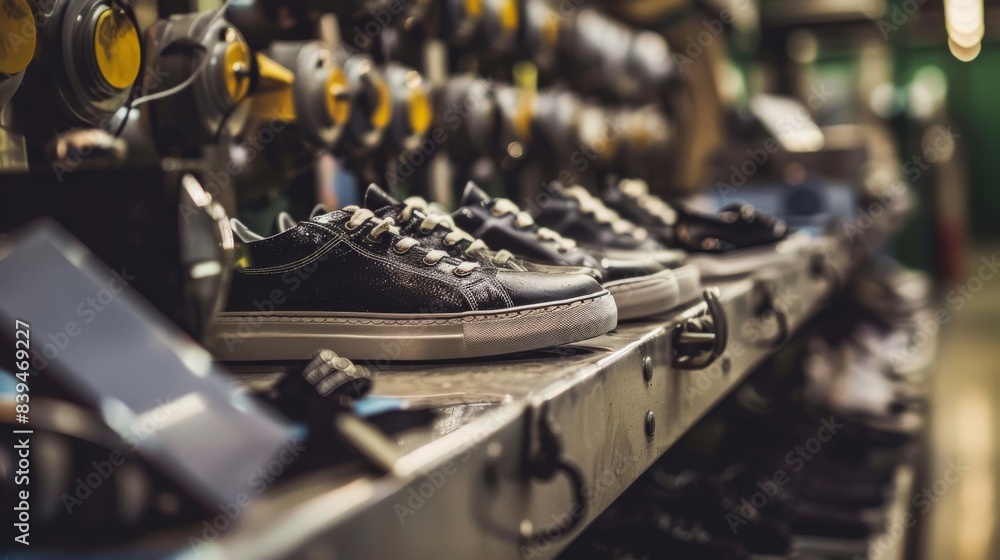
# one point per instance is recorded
(242, 319)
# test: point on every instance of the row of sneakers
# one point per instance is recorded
(408, 280)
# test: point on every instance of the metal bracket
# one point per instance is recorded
(820, 267)
(700, 340)
(543, 463)
(767, 304)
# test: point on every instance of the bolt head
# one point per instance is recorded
(647, 369)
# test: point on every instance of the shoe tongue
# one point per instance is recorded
(377, 199)
(474, 196)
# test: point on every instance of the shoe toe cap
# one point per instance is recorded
(531, 288)
(560, 269)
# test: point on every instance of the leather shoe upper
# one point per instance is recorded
(500, 223)
(350, 261)
(436, 229)
(573, 212)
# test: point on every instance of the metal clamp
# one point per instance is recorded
(544, 463)
(700, 340)
(768, 305)
(820, 267)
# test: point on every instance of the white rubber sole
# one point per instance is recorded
(243, 336)
(655, 294)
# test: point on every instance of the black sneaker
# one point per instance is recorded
(431, 224)
(642, 286)
(500, 223)
(435, 228)
(575, 213)
(349, 282)
(736, 241)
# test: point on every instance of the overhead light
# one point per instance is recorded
(962, 53)
(966, 25)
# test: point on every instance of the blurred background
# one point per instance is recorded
(880, 96)
(931, 68)
(917, 83)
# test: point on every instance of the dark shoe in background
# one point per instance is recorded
(642, 285)
(575, 213)
(734, 242)
(435, 228)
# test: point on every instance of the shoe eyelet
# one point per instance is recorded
(396, 250)
(458, 272)
(347, 226)
(425, 231)
(427, 262)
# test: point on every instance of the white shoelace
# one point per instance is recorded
(638, 190)
(360, 216)
(605, 215)
(433, 218)
(523, 220)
